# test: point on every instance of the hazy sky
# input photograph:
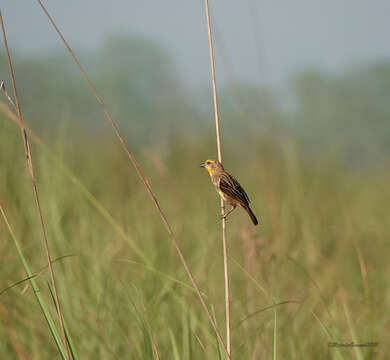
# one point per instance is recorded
(265, 41)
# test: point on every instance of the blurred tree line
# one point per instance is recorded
(133, 75)
(346, 112)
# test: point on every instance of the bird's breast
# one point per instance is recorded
(221, 194)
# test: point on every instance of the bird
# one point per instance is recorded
(228, 188)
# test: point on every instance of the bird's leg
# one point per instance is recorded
(231, 210)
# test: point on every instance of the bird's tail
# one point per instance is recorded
(251, 214)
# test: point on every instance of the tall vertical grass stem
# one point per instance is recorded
(35, 189)
(218, 132)
(142, 177)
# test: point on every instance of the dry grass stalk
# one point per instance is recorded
(142, 177)
(218, 133)
(35, 189)
(149, 330)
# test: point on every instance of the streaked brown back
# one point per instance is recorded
(231, 187)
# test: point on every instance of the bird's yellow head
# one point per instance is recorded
(212, 166)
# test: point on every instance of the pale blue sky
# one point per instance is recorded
(265, 41)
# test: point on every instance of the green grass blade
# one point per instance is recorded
(34, 285)
(175, 350)
(327, 332)
(274, 338)
(67, 334)
(33, 276)
(265, 309)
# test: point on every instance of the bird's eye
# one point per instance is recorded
(208, 162)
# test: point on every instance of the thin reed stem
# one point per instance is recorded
(218, 132)
(35, 189)
(142, 177)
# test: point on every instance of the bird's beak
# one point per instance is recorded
(202, 165)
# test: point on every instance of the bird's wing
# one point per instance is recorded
(231, 187)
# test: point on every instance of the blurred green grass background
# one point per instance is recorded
(316, 169)
(322, 243)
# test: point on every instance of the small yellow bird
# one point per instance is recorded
(228, 188)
